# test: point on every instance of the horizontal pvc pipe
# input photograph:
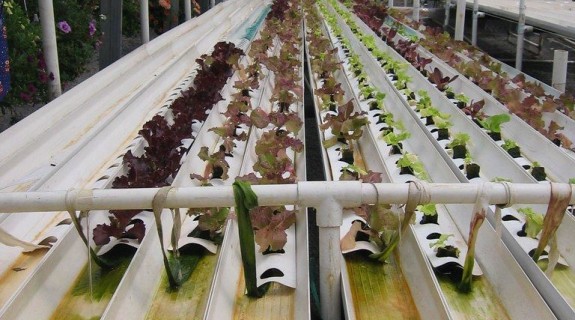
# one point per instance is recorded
(347, 193)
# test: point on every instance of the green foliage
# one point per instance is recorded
(410, 160)
(394, 139)
(441, 241)
(130, 18)
(508, 144)
(459, 139)
(428, 209)
(25, 57)
(533, 222)
(493, 123)
(75, 48)
(462, 97)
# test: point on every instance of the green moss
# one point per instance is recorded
(563, 278)
(189, 300)
(81, 304)
(104, 282)
(480, 303)
(378, 288)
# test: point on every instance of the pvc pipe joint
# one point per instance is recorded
(330, 207)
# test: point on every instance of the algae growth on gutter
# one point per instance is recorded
(379, 290)
(563, 278)
(189, 301)
(79, 303)
(481, 303)
(277, 303)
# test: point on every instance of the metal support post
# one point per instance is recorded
(460, 20)
(520, 35)
(476, 15)
(559, 78)
(212, 3)
(390, 3)
(416, 7)
(188, 9)
(50, 47)
(447, 10)
(144, 21)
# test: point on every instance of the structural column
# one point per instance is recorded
(520, 35)
(460, 20)
(416, 6)
(476, 16)
(559, 78)
(329, 220)
(144, 21)
(188, 9)
(50, 46)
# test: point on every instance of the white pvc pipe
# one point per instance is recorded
(520, 35)
(212, 3)
(50, 46)
(329, 260)
(474, 23)
(144, 21)
(416, 7)
(559, 78)
(460, 20)
(188, 9)
(309, 193)
(390, 3)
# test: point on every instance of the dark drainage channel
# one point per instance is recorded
(314, 172)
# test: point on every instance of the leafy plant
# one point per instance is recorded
(429, 213)
(424, 100)
(493, 123)
(459, 139)
(345, 125)
(475, 110)
(441, 82)
(394, 139)
(211, 221)
(161, 159)
(533, 222)
(273, 164)
(216, 167)
(410, 162)
(442, 249)
(462, 97)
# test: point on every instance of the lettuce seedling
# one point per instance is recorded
(493, 123)
(533, 222)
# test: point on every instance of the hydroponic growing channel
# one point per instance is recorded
(172, 183)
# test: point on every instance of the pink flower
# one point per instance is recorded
(64, 27)
(92, 27)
